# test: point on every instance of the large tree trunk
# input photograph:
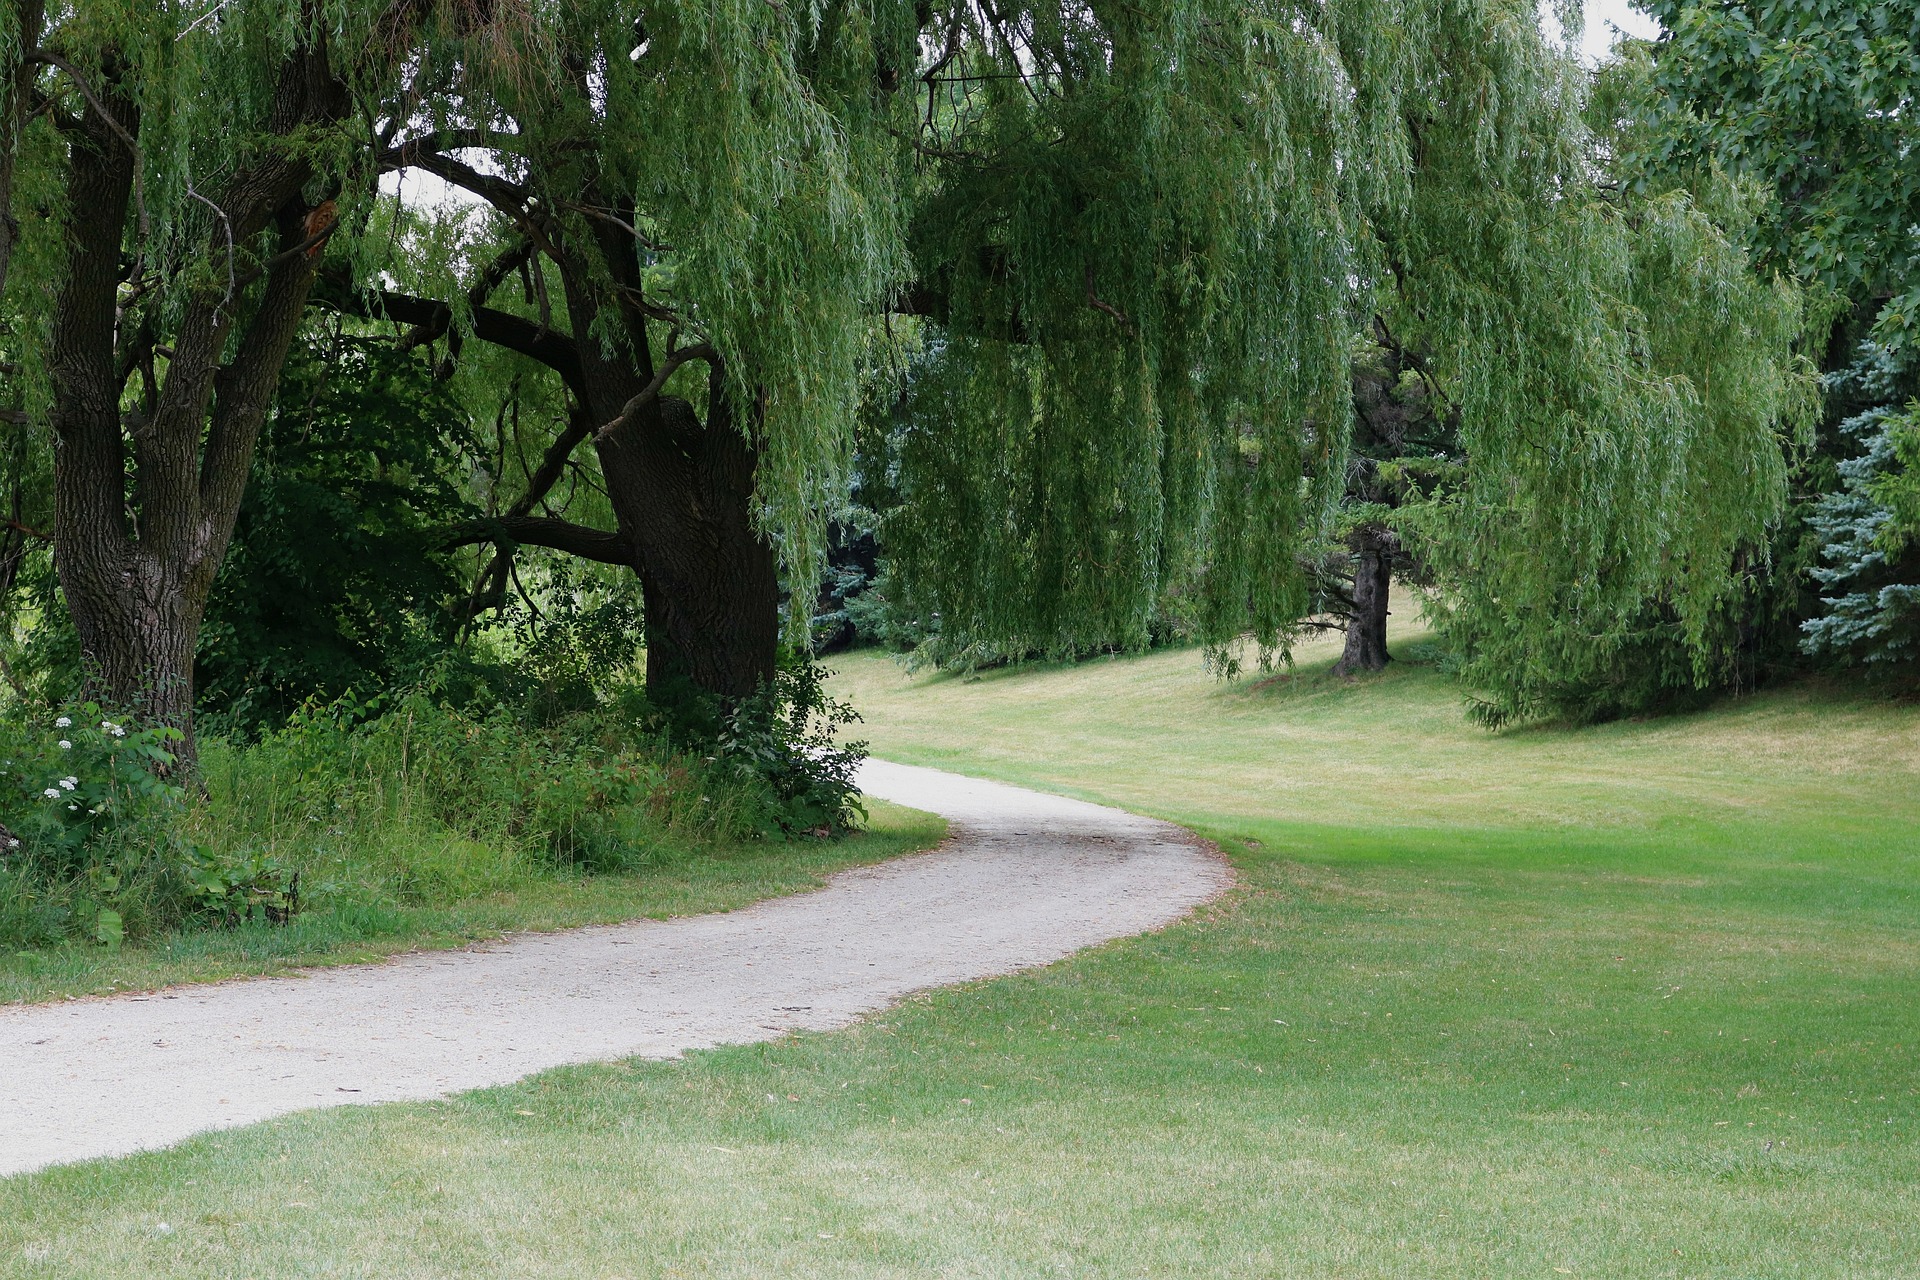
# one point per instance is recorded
(1366, 648)
(137, 574)
(681, 484)
(682, 490)
(683, 494)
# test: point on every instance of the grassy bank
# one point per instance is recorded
(1641, 1000)
(705, 876)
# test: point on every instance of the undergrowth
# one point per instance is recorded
(409, 798)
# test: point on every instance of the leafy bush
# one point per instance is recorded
(87, 825)
(248, 885)
(442, 791)
(79, 778)
(783, 743)
(577, 653)
(336, 578)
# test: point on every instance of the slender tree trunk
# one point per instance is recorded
(1366, 648)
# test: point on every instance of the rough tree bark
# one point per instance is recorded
(680, 482)
(682, 491)
(1372, 550)
(137, 580)
(683, 494)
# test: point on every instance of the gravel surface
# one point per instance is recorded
(1022, 880)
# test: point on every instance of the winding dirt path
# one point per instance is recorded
(1023, 880)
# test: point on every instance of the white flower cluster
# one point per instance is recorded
(63, 722)
(66, 784)
(65, 745)
(114, 729)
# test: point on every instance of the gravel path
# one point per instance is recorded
(1024, 879)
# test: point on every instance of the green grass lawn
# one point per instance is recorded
(1641, 1000)
(715, 877)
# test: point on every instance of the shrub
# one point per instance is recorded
(79, 778)
(784, 743)
(89, 823)
(421, 795)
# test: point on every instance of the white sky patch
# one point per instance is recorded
(423, 189)
(1607, 21)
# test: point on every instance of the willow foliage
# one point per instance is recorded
(1132, 245)
(1140, 235)
(1163, 232)
(1628, 389)
(157, 65)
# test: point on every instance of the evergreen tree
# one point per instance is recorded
(1870, 562)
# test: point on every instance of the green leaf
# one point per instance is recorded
(109, 929)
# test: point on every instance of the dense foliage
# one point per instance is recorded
(1811, 103)
(1813, 100)
(1870, 564)
(1622, 382)
(415, 795)
(336, 579)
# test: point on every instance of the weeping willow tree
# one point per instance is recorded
(167, 240)
(1136, 257)
(1098, 425)
(702, 206)
(1628, 388)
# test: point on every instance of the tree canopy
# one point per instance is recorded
(1623, 379)
(1125, 255)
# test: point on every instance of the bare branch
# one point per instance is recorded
(233, 282)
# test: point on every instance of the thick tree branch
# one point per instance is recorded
(90, 462)
(72, 73)
(408, 154)
(544, 531)
(645, 396)
(509, 198)
(244, 389)
(554, 350)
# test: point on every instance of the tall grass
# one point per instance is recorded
(402, 801)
